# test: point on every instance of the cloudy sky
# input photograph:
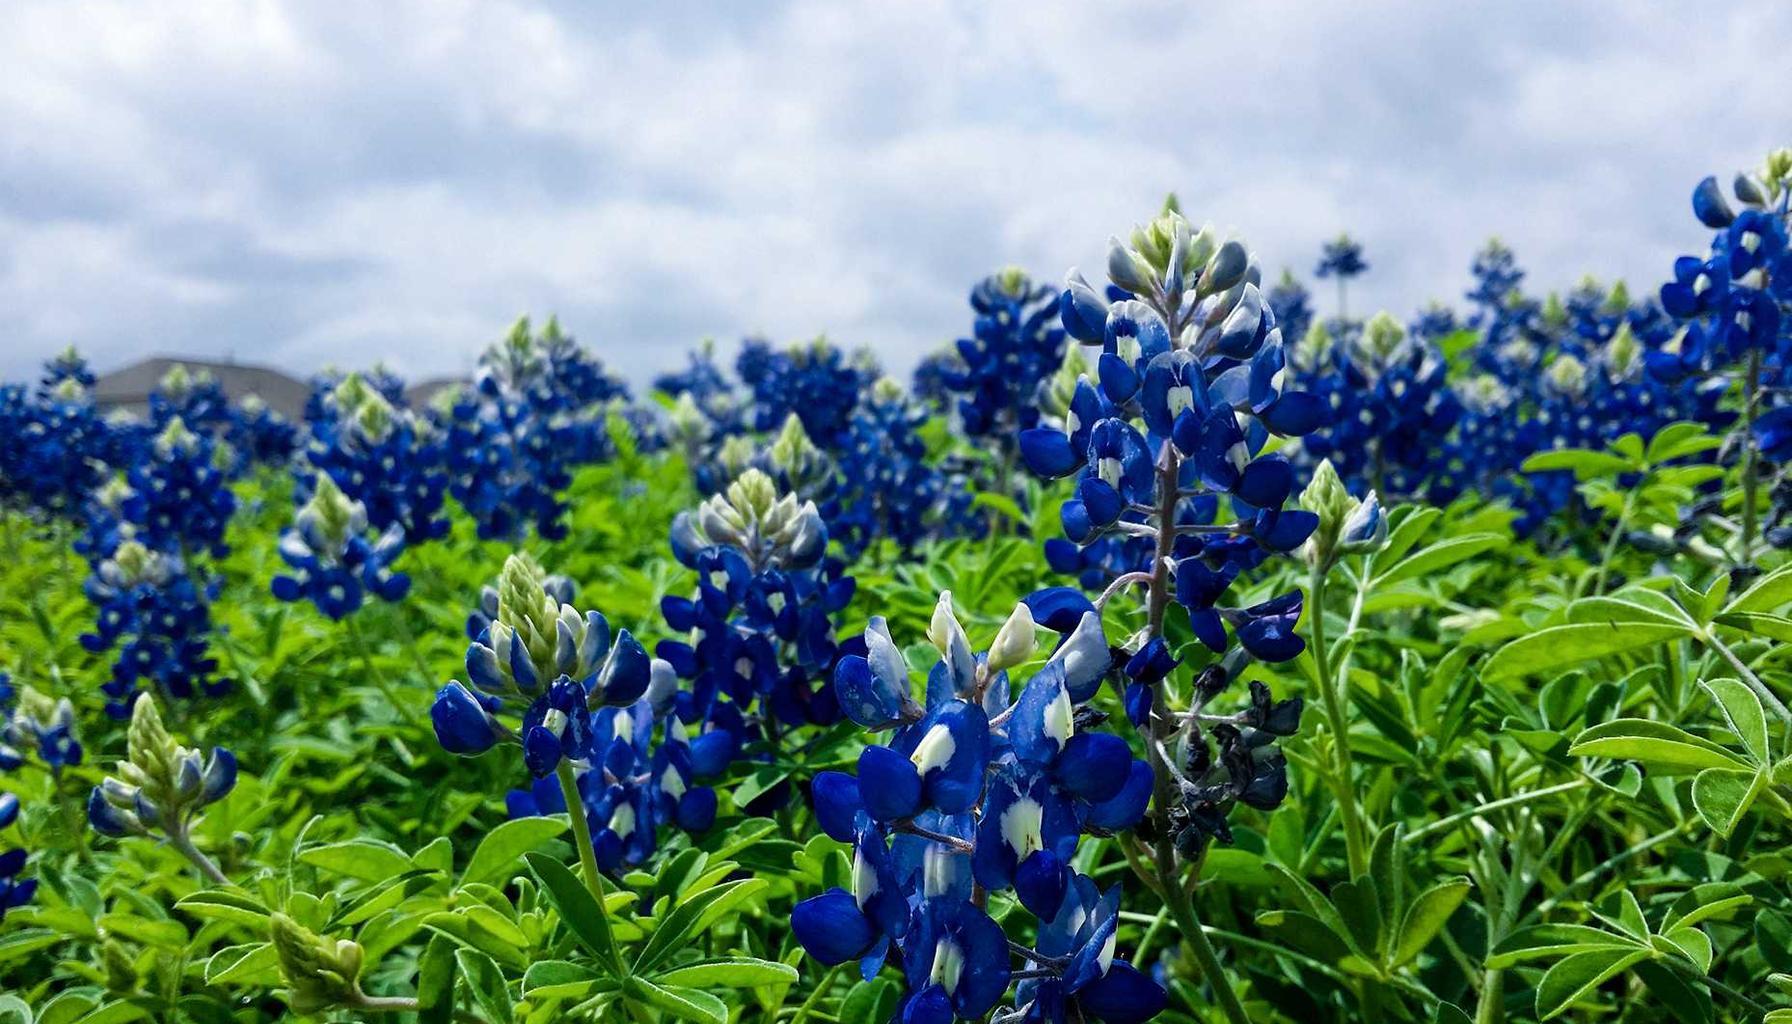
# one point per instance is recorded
(301, 183)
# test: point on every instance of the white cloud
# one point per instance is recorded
(305, 183)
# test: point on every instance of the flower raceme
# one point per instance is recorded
(334, 563)
(1189, 392)
(980, 790)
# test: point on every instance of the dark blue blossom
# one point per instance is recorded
(333, 560)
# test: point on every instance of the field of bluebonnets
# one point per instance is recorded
(1166, 649)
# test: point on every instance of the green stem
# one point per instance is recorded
(1355, 847)
(1493, 805)
(183, 843)
(1194, 936)
(1750, 405)
(1493, 998)
(581, 833)
(1611, 543)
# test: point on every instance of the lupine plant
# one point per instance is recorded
(1233, 732)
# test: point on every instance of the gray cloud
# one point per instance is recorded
(300, 184)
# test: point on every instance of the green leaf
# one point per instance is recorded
(237, 963)
(499, 855)
(1550, 941)
(1578, 974)
(1773, 627)
(26, 941)
(233, 905)
(1657, 744)
(1686, 1004)
(436, 971)
(683, 1003)
(562, 979)
(729, 972)
(1426, 917)
(1678, 440)
(692, 917)
(1584, 463)
(1566, 645)
(486, 982)
(1742, 709)
(1361, 911)
(1771, 591)
(1441, 555)
(871, 1000)
(368, 860)
(1724, 795)
(577, 908)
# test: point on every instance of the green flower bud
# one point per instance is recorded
(526, 610)
(120, 967)
(319, 973)
(176, 438)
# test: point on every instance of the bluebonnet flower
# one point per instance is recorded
(508, 447)
(1015, 346)
(928, 384)
(980, 791)
(41, 726)
(195, 399)
(334, 562)
(1391, 404)
(1733, 300)
(258, 434)
(53, 442)
(179, 499)
(545, 662)
(1342, 259)
(160, 787)
(761, 645)
(153, 610)
(564, 689)
(1293, 307)
(817, 382)
(1200, 367)
(382, 456)
(888, 486)
(14, 892)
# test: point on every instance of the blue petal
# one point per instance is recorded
(832, 928)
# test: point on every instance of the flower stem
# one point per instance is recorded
(1754, 682)
(178, 838)
(1751, 404)
(581, 832)
(1354, 841)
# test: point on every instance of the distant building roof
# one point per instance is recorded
(128, 388)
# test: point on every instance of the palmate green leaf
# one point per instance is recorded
(502, 849)
(1659, 745)
(1559, 646)
(1742, 709)
(682, 1003)
(1687, 1003)
(1576, 976)
(577, 908)
(1723, 795)
(1689, 942)
(1426, 917)
(728, 972)
(693, 917)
